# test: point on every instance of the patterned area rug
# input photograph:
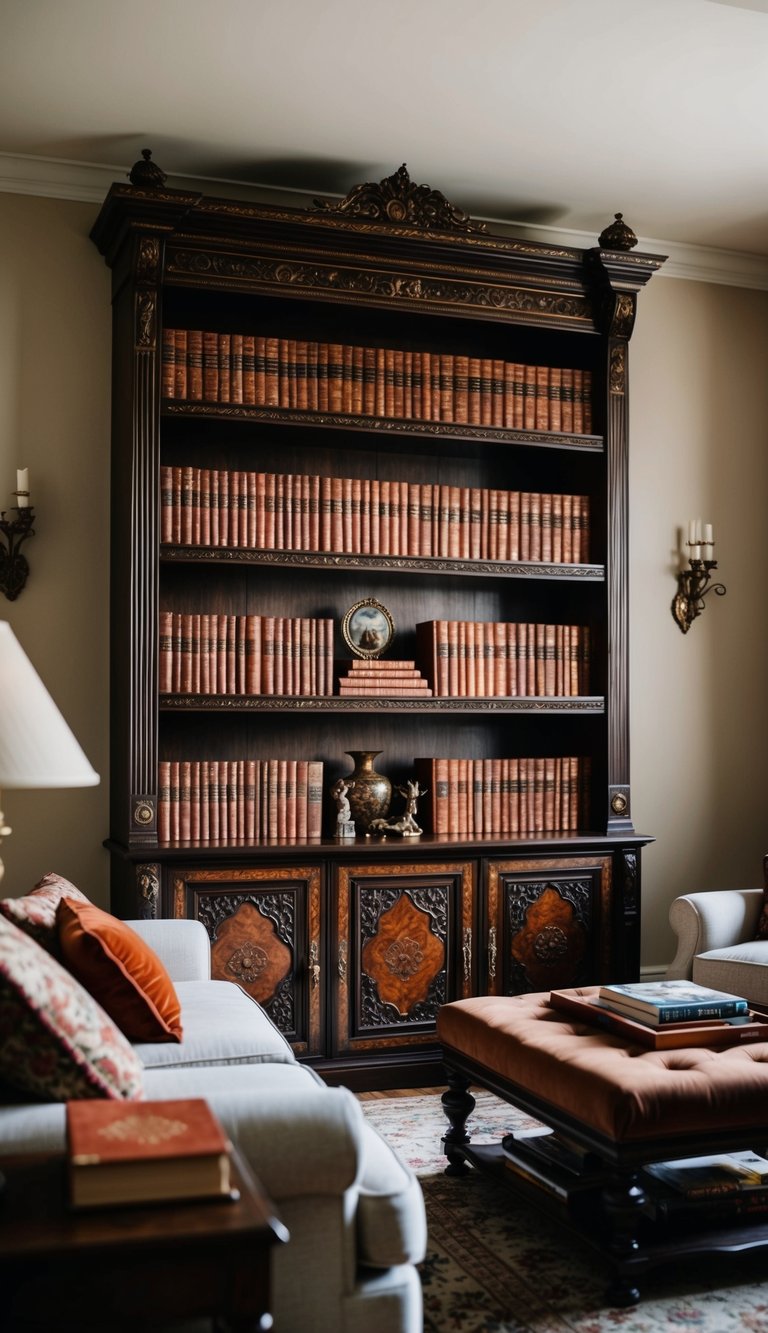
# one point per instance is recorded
(493, 1266)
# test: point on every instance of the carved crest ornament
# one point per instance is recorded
(398, 199)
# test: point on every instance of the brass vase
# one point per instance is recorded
(370, 793)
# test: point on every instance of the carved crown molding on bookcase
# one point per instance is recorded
(88, 182)
(398, 199)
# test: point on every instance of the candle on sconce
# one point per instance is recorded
(691, 530)
(695, 550)
(22, 487)
(708, 545)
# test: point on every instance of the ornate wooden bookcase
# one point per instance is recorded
(351, 947)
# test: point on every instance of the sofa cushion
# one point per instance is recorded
(35, 913)
(119, 970)
(743, 966)
(222, 1026)
(56, 1041)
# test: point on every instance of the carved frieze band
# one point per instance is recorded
(440, 430)
(148, 890)
(406, 287)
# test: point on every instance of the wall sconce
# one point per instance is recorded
(14, 569)
(694, 583)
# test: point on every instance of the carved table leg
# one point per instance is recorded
(623, 1199)
(458, 1104)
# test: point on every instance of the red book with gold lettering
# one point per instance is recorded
(145, 1152)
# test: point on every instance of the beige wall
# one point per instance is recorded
(54, 419)
(699, 421)
(699, 447)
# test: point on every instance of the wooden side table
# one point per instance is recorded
(129, 1267)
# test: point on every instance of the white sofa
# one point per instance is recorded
(716, 943)
(355, 1212)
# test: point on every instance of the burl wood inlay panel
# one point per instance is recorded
(248, 950)
(404, 956)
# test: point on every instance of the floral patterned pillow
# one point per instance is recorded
(35, 913)
(56, 1042)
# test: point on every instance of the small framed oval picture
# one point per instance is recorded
(368, 628)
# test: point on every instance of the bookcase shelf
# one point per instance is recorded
(395, 564)
(354, 943)
(385, 426)
(580, 705)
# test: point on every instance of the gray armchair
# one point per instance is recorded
(716, 943)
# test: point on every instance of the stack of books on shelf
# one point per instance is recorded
(504, 796)
(660, 1003)
(203, 366)
(719, 1188)
(552, 1164)
(146, 1152)
(239, 801)
(368, 516)
(473, 659)
(222, 654)
(383, 677)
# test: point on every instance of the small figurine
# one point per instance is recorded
(406, 825)
(345, 826)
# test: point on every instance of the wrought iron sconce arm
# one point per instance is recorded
(14, 569)
(693, 585)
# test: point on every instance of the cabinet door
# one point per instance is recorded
(548, 923)
(264, 927)
(403, 947)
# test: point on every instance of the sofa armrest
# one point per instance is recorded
(181, 945)
(714, 920)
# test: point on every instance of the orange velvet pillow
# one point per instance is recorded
(119, 970)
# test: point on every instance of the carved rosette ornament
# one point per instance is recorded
(399, 200)
(248, 962)
(550, 943)
(617, 235)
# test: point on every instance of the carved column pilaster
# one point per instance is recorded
(145, 466)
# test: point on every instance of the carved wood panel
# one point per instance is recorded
(404, 948)
(264, 927)
(548, 923)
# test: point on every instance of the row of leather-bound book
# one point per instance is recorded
(205, 366)
(369, 516)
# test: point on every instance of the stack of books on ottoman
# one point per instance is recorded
(664, 1015)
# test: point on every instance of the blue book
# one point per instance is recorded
(660, 1002)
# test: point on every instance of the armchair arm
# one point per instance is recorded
(181, 945)
(714, 920)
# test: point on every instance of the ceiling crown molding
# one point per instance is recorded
(85, 182)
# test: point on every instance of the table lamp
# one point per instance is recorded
(37, 748)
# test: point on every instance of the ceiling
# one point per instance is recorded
(555, 113)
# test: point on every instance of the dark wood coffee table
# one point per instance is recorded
(130, 1267)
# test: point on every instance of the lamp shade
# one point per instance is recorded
(37, 748)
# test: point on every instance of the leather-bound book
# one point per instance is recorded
(236, 382)
(180, 365)
(145, 1152)
(225, 368)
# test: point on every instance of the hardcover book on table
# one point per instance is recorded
(659, 1002)
(145, 1152)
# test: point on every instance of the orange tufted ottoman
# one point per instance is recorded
(629, 1104)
